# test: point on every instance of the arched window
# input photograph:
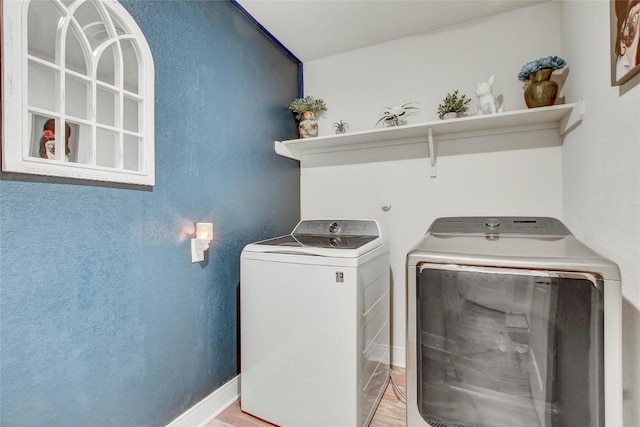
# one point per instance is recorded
(78, 85)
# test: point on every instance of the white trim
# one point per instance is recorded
(398, 357)
(16, 110)
(210, 407)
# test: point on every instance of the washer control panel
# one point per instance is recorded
(340, 227)
(535, 226)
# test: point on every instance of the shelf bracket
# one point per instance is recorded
(572, 120)
(283, 150)
(433, 170)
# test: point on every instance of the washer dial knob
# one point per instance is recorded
(492, 223)
(334, 227)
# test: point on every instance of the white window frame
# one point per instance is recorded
(17, 113)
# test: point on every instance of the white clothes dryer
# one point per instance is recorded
(511, 321)
(314, 324)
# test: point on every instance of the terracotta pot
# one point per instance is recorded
(541, 91)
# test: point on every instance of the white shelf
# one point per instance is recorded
(561, 117)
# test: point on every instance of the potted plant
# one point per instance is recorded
(306, 109)
(341, 127)
(452, 105)
(396, 115)
(540, 90)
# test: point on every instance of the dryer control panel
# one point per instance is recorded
(532, 226)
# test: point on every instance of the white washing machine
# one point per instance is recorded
(314, 324)
(511, 321)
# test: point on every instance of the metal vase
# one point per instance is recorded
(541, 92)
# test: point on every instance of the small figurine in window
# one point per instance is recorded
(48, 140)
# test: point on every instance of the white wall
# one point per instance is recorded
(358, 85)
(423, 69)
(601, 170)
(592, 182)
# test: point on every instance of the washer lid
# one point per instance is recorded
(343, 238)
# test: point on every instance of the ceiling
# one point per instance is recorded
(313, 29)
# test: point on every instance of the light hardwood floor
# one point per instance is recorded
(391, 411)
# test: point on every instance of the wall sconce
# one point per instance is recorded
(204, 235)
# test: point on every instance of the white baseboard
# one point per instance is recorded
(398, 357)
(210, 407)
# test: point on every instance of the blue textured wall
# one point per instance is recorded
(104, 319)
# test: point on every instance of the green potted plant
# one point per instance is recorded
(452, 105)
(396, 115)
(341, 127)
(308, 104)
(306, 109)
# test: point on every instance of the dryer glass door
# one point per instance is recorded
(503, 347)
